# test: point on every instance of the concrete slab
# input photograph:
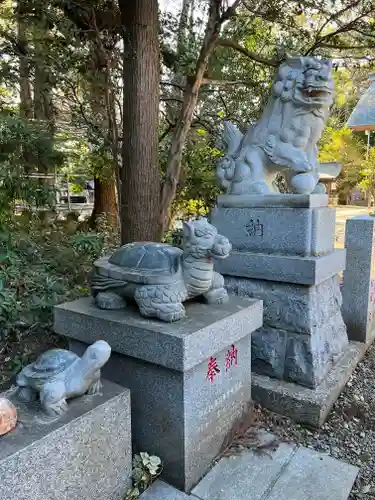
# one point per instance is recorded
(286, 268)
(273, 200)
(179, 346)
(245, 477)
(163, 491)
(313, 476)
(309, 406)
(291, 473)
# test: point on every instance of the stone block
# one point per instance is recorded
(296, 357)
(182, 406)
(303, 333)
(277, 230)
(85, 454)
(273, 200)
(287, 306)
(358, 290)
(323, 230)
(268, 350)
(179, 346)
(309, 358)
(307, 270)
(303, 404)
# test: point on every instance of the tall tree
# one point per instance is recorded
(140, 177)
(26, 105)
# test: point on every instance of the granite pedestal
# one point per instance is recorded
(283, 253)
(358, 291)
(84, 454)
(190, 380)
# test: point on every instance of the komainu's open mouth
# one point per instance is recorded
(315, 92)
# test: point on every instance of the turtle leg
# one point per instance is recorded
(109, 300)
(53, 399)
(26, 394)
(95, 385)
(160, 301)
(217, 293)
(24, 391)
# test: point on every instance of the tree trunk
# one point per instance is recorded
(43, 106)
(175, 92)
(26, 105)
(105, 202)
(98, 78)
(139, 175)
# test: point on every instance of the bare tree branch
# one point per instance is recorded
(171, 84)
(209, 81)
(248, 53)
(216, 18)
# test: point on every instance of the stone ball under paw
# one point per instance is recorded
(8, 416)
(303, 183)
(259, 187)
(320, 189)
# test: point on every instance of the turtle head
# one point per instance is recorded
(201, 240)
(97, 354)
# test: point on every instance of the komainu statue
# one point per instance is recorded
(284, 140)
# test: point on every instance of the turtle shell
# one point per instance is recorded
(50, 364)
(147, 263)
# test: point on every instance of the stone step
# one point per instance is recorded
(163, 491)
(289, 472)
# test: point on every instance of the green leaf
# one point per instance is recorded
(155, 461)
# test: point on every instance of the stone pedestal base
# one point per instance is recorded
(308, 406)
(303, 334)
(85, 454)
(283, 253)
(190, 381)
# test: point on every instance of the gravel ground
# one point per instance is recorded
(349, 432)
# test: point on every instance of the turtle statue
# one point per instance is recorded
(160, 277)
(59, 374)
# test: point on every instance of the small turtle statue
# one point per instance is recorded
(58, 375)
(160, 277)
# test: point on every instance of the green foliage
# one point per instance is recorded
(146, 468)
(197, 187)
(174, 237)
(368, 173)
(344, 146)
(25, 148)
(40, 266)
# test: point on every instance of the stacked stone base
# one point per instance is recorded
(283, 253)
(302, 404)
(303, 334)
